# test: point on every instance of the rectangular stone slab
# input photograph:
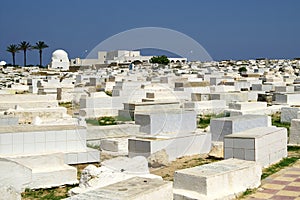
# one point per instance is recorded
(220, 127)
(265, 145)
(166, 121)
(175, 145)
(217, 180)
(132, 189)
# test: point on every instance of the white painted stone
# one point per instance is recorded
(136, 188)
(47, 170)
(99, 104)
(14, 174)
(9, 193)
(287, 98)
(130, 109)
(175, 145)
(247, 105)
(289, 89)
(87, 156)
(219, 180)
(220, 127)
(27, 101)
(266, 145)
(243, 108)
(206, 107)
(28, 140)
(294, 138)
(163, 122)
(262, 87)
(137, 164)
(96, 133)
(113, 171)
(44, 114)
(289, 113)
(222, 88)
(230, 96)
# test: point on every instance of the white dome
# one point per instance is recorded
(59, 54)
(2, 62)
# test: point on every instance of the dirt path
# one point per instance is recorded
(167, 172)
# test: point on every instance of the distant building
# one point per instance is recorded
(119, 57)
(2, 63)
(59, 60)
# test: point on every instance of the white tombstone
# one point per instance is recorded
(14, 174)
(165, 121)
(47, 170)
(134, 189)
(112, 171)
(295, 132)
(220, 127)
(24, 140)
(218, 180)
(242, 108)
(265, 145)
(175, 146)
(288, 113)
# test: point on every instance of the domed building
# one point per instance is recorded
(60, 60)
(2, 63)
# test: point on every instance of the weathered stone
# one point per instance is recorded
(136, 188)
(48, 170)
(9, 193)
(175, 145)
(8, 120)
(158, 159)
(295, 132)
(218, 180)
(289, 113)
(217, 150)
(19, 176)
(112, 171)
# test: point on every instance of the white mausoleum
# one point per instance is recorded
(60, 60)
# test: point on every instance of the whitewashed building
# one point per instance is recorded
(60, 60)
(120, 57)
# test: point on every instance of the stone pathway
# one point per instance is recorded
(283, 185)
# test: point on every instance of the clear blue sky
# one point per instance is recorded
(232, 29)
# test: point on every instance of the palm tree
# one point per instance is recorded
(13, 49)
(40, 45)
(24, 46)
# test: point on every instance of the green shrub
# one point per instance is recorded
(242, 69)
(160, 60)
(204, 120)
(109, 93)
(105, 121)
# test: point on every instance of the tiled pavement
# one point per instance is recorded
(283, 185)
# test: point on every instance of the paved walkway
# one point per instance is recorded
(283, 185)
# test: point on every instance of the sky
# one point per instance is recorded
(231, 29)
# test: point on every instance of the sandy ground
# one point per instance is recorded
(167, 172)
